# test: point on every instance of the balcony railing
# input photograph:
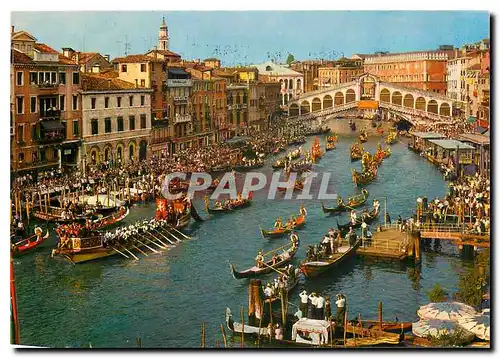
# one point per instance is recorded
(47, 85)
(160, 123)
(182, 118)
(51, 113)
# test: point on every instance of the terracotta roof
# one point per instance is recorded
(168, 53)
(133, 59)
(17, 56)
(475, 67)
(84, 57)
(96, 82)
(108, 73)
(65, 60)
(45, 49)
(211, 59)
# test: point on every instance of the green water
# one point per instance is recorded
(164, 298)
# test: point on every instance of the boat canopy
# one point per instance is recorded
(312, 331)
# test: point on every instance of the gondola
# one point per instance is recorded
(356, 151)
(363, 178)
(298, 185)
(300, 167)
(289, 288)
(317, 267)
(372, 215)
(284, 258)
(28, 244)
(53, 214)
(213, 210)
(332, 138)
(275, 233)
(244, 168)
(330, 146)
(352, 202)
(363, 137)
(356, 156)
(110, 220)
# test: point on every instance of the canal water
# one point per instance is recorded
(164, 298)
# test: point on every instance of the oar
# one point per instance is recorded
(140, 250)
(155, 251)
(179, 232)
(172, 244)
(166, 238)
(281, 273)
(121, 253)
(145, 238)
(166, 245)
(135, 257)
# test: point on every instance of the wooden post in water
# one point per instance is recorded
(361, 324)
(217, 343)
(380, 314)
(331, 331)
(139, 342)
(416, 240)
(40, 200)
(47, 203)
(107, 192)
(202, 335)
(20, 205)
(345, 326)
(223, 335)
(242, 328)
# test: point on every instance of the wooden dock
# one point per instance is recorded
(389, 243)
(457, 234)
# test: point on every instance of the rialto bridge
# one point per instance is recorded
(367, 92)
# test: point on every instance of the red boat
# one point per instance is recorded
(28, 244)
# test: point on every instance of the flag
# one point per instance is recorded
(161, 208)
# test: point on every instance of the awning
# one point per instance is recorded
(177, 71)
(52, 125)
(471, 119)
(481, 130)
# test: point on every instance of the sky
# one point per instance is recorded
(247, 37)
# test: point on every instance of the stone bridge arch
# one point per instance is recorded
(316, 104)
(338, 98)
(327, 101)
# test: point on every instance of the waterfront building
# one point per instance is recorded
(310, 70)
(341, 71)
(212, 62)
(116, 121)
(292, 82)
(88, 61)
(45, 106)
(208, 109)
(425, 70)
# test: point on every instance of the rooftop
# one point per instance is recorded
(475, 138)
(45, 49)
(96, 82)
(134, 59)
(450, 144)
(167, 53)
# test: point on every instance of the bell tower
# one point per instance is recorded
(163, 36)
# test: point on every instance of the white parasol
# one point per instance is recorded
(478, 324)
(448, 311)
(433, 327)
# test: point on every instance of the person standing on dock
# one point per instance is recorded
(340, 309)
(314, 306)
(304, 299)
(387, 218)
(320, 307)
(328, 308)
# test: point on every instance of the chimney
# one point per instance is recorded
(109, 83)
(12, 30)
(77, 57)
(136, 83)
(106, 57)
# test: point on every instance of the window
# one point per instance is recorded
(107, 125)
(143, 100)
(20, 156)
(131, 123)
(76, 78)
(118, 102)
(20, 106)
(53, 77)
(106, 102)
(76, 128)
(19, 78)
(95, 126)
(124, 68)
(75, 103)
(62, 100)
(143, 121)
(62, 78)
(33, 132)
(143, 83)
(43, 156)
(93, 102)
(20, 133)
(33, 78)
(32, 104)
(143, 67)
(120, 124)
(131, 101)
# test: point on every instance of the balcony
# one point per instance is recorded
(48, 85)
(181, 100)
(50, 114)
(179, 83)
(159, 123)
(51, 132)
(182, 118)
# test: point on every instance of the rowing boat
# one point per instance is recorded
(367, 219)
(28, 244)
(317, 267)
(352, 202)
(281, 260)
(216, 210)
(275, 233)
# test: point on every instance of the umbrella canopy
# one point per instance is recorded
(478, 324)
(448, 311)
(433, 327)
